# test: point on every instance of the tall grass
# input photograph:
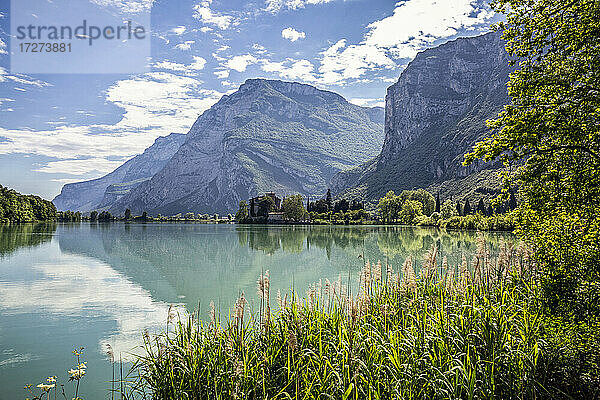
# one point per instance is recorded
(465, 332)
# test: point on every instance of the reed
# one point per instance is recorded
(466, 332)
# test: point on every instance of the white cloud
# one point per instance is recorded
(240, 63)
(80, 167)
(365, 102)
(127, 6)
(154, 104)
(160, 99)
(170, 66)
(274, 6)
(292, 34)
(222, 74)
(204, 13)
(291, 69)
(185, 46)
(197, 65)
(341, 62)
(2, 47)
(419, 23)
(22, 79)
(179, 30)
(6, 100)
(414, 25)
(216, 54)
(259, 48)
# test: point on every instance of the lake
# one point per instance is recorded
(70, 285)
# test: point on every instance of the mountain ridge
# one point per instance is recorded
(101, 192)
(435, 112)
(270, 135)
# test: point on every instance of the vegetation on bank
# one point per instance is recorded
(477, 330)
(549, 140)
(16, 207)
(411, 207)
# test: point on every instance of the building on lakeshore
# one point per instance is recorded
(255, 203)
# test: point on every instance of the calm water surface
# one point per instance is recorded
(66, 286)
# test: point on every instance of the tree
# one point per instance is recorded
(459, 209)
(411, 209)
(319, 206)
(293, 208)
(356, 205)
(105, 216)
(438, 205)
(341, 205)
(266, 204)
(448, 210)
(550, 133)
(328, 200)
(422, 196)
(128, 214)
(94, 216)
(389, 207)
(512, 202)
(481, 209)
(144, 216)
(467, 208)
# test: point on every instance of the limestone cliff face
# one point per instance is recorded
(267, 136)
(433, 115)
(101, 193)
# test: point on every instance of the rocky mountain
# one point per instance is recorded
(101, 193)
(433, 115)
(267, 136)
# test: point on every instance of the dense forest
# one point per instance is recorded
(17, 207)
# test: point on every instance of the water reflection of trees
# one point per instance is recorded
(13, 237)
(295, 239)
(404, 241)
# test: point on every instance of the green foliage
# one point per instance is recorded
(105, 216)
(501, 222)
(293, 208)
(550, 134)
(266, 204)
(467, 210)
(389, 207)
(448, 210)
(392, 208)
(422, 196)
(69, 216)
(411, 210)
(16, 207)
(242, 214)
(350, 217)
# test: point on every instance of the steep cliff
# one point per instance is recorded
(103, 192)
(268, 136)
(434, 114)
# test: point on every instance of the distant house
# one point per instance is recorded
(255, 201)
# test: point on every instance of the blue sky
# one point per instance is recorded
(60, 128)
